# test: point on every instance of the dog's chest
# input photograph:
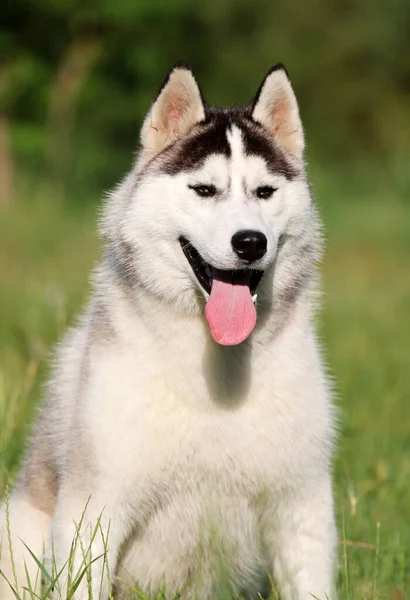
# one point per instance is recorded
(163, 433)
(170, 446)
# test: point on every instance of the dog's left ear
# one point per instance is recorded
(177, 108)
(275, 107)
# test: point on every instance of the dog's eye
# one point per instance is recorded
(205, 191)
(265, 191)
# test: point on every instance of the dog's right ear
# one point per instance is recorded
(177, 108)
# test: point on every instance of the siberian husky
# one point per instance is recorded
(188, 428)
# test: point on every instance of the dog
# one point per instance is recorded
(188, 430)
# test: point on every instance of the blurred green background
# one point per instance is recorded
(76, 79)
(77, 76)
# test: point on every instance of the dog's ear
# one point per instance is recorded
(275, 107)
(177, 108)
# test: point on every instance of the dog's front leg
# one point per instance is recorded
(87, 534)
(301, 536)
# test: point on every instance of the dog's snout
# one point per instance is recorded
(249, 245)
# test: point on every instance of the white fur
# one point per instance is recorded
(191, 453)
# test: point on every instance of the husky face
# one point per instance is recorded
(217, 192)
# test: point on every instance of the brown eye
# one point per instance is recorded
(205, 191)
(265, 192)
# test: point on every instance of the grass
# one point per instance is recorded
(47, 249)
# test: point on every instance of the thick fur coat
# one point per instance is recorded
(180, 461)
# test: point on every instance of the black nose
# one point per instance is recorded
(249, 245)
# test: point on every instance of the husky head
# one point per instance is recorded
(217, 210)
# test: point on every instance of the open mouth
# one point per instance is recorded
(205, 273)
(230, 309)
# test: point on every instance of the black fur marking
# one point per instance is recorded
(181, 64)
(258, 144)
(191, 152)
(210, 137)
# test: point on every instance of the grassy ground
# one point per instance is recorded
(47, 248)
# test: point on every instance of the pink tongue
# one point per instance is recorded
(230, 312)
